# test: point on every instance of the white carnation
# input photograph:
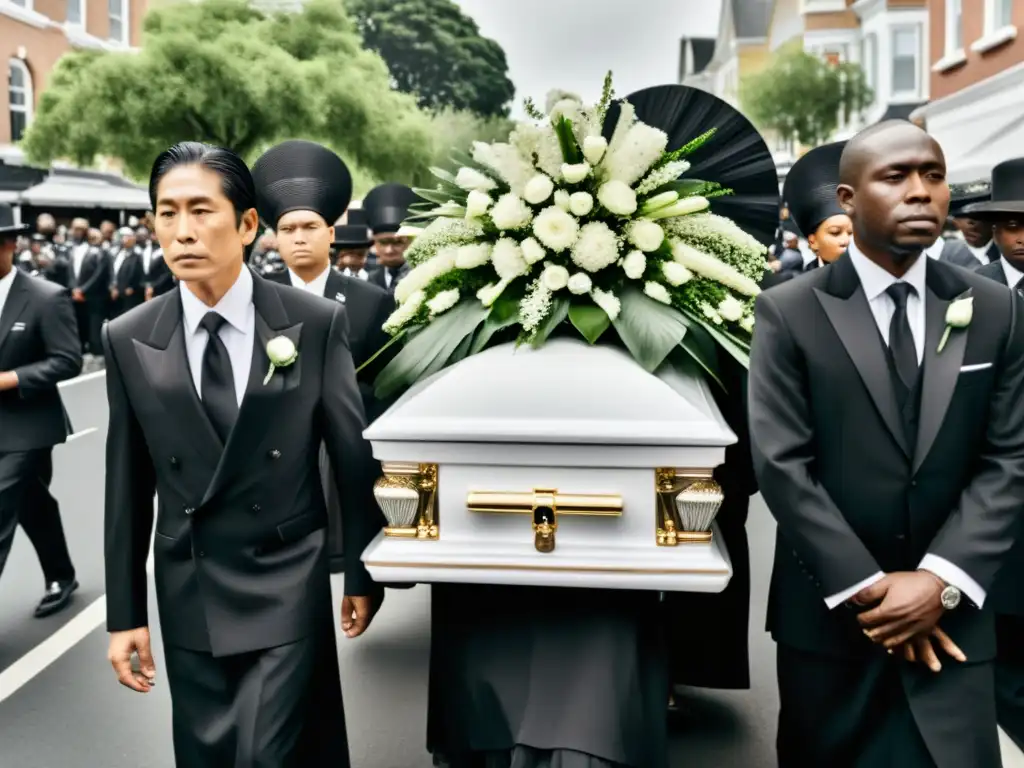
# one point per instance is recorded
(532, 251)
(563, 200)
(404, 313)
(508, 259)
(538, 189)
(581, 203)
(675, 273)
(634, 265)
(555, 229)
(555, 277)
(443, 301)
(645, 235)
(473, 255)
(731, 309)
(747, 323)
(617, 197)
(470, 179)
(594, 148)
(506, 162)
(580, 283)
(477, 203)
(510, 212)
(607, 301)
(574, 174)
(658, 292)
(596, 248)
(629, 159)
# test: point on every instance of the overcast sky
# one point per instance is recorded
(571, 44)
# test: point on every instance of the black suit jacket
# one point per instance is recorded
(377, 277)
(159, 278)
(39, 342)
(240, 547)
(94, 276)
(994, 271)
(129, 275)
(851, 497)
(955, 251)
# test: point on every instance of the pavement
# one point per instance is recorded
(60, 706)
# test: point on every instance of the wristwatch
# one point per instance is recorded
(950, 597)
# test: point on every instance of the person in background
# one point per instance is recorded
(811, 191)
(351, 245)
(127, 279)
(90, 288)
(39, 348)
(977, 233)
(387, 206)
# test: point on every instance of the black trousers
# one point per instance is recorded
(25, 499)
(90, 315)
(1010, 676)
(276, 708)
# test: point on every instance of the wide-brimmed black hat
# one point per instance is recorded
(352, 236)
(7, 225)
(982, 199)
(387, 206)
(810, 188)
(301, 176)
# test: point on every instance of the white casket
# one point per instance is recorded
(567, 465)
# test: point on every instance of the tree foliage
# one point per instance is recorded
(436, 52)
(222, 72)
(802, 96)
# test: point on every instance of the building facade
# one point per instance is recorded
(34, 34)
(977, 84)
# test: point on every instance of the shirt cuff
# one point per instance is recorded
(954, 576)
(841, 597)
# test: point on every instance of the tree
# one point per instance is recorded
(436, 52)
(222, 72)
(801, 96)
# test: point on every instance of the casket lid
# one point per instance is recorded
(566, 392)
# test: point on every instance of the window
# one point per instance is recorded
(869, 60)
(19, 90)
(117, 12)
(954, 26)
(75, 12)
(906, 54)
(998, 14)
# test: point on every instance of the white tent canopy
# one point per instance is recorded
(65, 190)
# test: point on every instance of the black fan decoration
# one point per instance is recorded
(736, 156)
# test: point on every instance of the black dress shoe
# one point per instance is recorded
(57, 597)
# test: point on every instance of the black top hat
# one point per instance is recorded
(963, 196)
(301, 176)
(810, 188)
(352, 236)
(356, 216)
(387, 206)
(7, 225)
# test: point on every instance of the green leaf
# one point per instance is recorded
(567, 141)
(650, 330)
(504, 313)
(443, 175)
(431, 349)
(685, 187)
(700, 347)
(432, 195)
(739, 351)
(557, 315)
(393, 340)
(590, 320)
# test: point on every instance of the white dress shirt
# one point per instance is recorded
(875, 280)
(362, 274)
(315, 286)
(5, 288)
(934, 250)
(981, 254)
(119, 261)
(1013, 275)
(147, 257)
(78, 257)
(238, 333)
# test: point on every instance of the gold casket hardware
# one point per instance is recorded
(407, 495)
(686, 502)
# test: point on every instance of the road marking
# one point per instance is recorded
(83, 433)
(81, 379)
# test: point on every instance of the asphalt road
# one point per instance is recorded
(60, 706)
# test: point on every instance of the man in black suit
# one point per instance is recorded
(221, 392)
(387, 206)
(90, 286)
(897, 509)
(1004, 212)
(127, 290)
(157, 278)
(38, 349)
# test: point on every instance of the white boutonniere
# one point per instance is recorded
(282, 352)
(958, 315)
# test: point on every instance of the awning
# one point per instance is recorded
(978, 157)
(65, 191)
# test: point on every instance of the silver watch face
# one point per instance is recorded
(950, 598)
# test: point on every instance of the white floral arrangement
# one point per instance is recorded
(559, 227)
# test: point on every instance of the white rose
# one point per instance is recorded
(730, 308)
(477, 204)
(443, 301)
(574, 174)
(538, 189)
(508, 259)
(470, 178)
(676, 274)
(555, 229)
(473, 255)
(960, 313)
(580, 203)
(510, 212)
(658, 292)
(532, 251)
(281, 351)
(555, 277)
(634, 265)
(617, 197)
(645, 235)
(563, 200)
(594, 148)
(580, 283)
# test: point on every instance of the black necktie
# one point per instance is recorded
(394, 272)
(218, 382)
(901, 340)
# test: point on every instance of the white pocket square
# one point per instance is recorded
(339, 297)
(975, 367)
(17, 327)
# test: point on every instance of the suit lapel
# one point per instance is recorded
(940, 371)
(847, 310)
(16, 302)
(336, 288)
